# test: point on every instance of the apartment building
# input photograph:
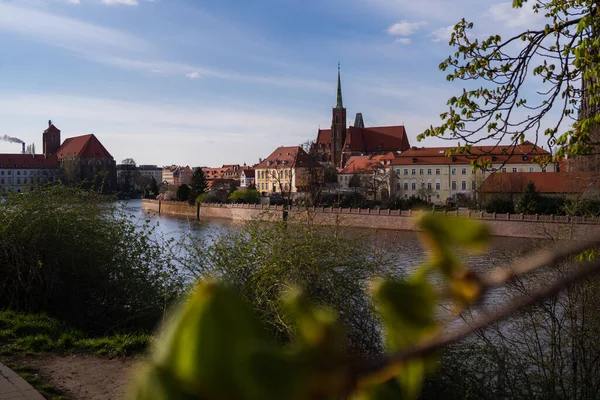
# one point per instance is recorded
(428, 173)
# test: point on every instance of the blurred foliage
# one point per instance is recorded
(216, 347)
(245, 196)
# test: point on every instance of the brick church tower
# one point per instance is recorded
(50, 139)
(338, 126)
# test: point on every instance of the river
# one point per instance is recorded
(405, 245)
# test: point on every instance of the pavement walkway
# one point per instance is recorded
(13, 387)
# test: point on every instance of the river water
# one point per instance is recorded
(404, 245)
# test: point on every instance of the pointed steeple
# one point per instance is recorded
(339, 103)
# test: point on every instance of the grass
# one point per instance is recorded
(28, 334)
(23, 335)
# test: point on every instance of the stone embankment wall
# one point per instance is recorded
(513, 225)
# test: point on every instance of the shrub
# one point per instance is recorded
(75, 256)
(246, 196)
(499, 204)
(260, 260)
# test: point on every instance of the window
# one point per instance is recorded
(544, 169)
(429, 185)
(405, 185)
(463, 171)
(414, 171)
(18, 181)
(2, 173)
(18, 172)
(9, 172)
(405, 171)
(453, 185)
(531, 169)
(463, 185)
(453, 171)
(437, 171)
(437, 186)
(397, 172)
(422, 185)
(414, 186)
(24, 181)
(503, 169)
(421, 171)
(514, 170)
(428, 171)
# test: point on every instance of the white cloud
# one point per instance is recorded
(68, 33)
(193, 75)
(404, 28)
(442, 34)
(523, 17)
(402, 41)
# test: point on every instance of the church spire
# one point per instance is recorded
(339, 103)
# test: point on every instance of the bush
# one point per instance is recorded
(75, 256)
(500, 205)
(246, 196)
(205, 198)
(260, 260)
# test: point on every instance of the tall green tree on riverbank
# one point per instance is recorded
(562, 51)
(198, 184)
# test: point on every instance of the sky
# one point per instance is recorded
(212, 82)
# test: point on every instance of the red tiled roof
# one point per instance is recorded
(500, 154)
(294, 156)
(27, 161)
(371, 139)
(214, 173)
(365, 164)
(86, 146)
(545, 182)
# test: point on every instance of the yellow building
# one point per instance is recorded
(428, 173)
(286, 170)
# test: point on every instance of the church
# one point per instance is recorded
(338, 144)
(80, 159)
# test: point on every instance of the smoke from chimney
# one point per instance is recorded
(11, 139)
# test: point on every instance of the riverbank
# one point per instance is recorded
(510, 225)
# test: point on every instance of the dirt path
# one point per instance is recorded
(86, 377)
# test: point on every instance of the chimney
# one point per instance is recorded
(49, 123)
(23, 146)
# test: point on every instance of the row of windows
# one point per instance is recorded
(463, 185)
(453, 171)
(282, 174)
(265, 186)
(18, 181)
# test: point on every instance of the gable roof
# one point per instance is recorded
(294, 156)
(85, 146)
(545, 182)
(369, 140)
(52, 129)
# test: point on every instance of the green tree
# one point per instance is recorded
(198, 184)
(355, 181)
(183, 193)
(128, 175)
(563, 52)
(528, 202)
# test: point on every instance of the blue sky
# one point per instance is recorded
(211, 82)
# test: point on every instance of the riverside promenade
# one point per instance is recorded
(13, 387)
